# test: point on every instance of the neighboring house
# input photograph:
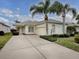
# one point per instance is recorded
(39, 27)
(4, 27)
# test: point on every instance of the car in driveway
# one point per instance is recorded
(14, 32)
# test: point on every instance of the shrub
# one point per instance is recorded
(71, 30)
(60, 35)
(55, 35)
(77, 38)
(66, 35)
(44, 37)
(76, 32)
(49, 38)
(1, 33)
(63, 35)
(72, 34)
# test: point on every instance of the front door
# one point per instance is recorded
(31, 29)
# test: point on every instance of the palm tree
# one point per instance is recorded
(43, 8)
(77, 18)
(63, 9)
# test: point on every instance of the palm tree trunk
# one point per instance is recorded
(63, 25)
(63, 16)
(46, 21)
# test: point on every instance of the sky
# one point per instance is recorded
(11, 10)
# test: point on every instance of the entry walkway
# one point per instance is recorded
(33, 47)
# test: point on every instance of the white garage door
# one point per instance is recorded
(41, 31)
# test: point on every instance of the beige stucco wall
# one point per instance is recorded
(50, 28)
(54, 28)
(57, 29)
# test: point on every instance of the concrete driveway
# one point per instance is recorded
(33, 47)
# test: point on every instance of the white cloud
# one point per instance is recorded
(24, 18)
(6, 21)
(3, 19)
(6, 15)
(11, 16)
(6, 12)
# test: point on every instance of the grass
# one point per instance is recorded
(66, 42)
(69, 43)
(4, 39)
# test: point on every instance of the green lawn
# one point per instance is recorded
(69, 43)
(4, 39)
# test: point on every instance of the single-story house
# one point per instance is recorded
(5, 28)
(39, 27)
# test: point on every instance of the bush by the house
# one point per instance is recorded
(1, 33)
(49, 38)
(76, 32)
(60, 35)
(77, 38)
(14, 32)
(55, 35)
(63, 35)
(72, 34)
(71, 30)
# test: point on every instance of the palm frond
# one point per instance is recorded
(32, 8)
(37, 9)
(57, 7)
(34, 12)
(51, 10)
(74, 12)
(46, 5)
(66, 6)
